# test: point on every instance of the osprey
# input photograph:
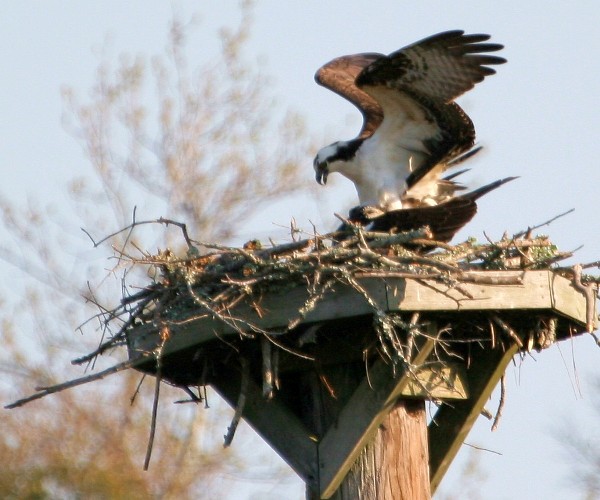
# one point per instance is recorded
(412, 128)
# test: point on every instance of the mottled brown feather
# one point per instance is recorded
(340, 75)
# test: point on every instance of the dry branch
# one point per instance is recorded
(45, 391)
(507, 329)
(239, 409)
(501, 403)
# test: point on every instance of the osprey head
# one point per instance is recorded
(330, 158)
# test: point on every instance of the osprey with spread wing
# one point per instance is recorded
(413, 131)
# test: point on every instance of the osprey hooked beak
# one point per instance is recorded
(321, 171)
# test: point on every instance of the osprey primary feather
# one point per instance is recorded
(412, 129)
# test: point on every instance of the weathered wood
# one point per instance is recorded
(276, 424)
(276, 311)
(452, 422)
(564, 300)
(438, 380)
(540, 290)
(359, 420)
(394, 465)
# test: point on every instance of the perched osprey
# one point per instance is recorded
(412, 130)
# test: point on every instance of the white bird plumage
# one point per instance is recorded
(412, 130)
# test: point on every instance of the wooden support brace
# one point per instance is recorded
(275, 423)
(454, 420)
(360, 418)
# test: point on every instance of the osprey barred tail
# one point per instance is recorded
(412, 129)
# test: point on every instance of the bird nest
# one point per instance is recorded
(213, 284)
(213, 281)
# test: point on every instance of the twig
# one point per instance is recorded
(267, 368)
(548, 222)
(227, 319)
(135, 223)
(287, 248)
(44, 391)
(486, 413)
(591, 264)
(154, 413)
(275, 363)
(311, 302)
(239, 409)
(285, 348)
(508, 330)
(165, 334)
(413, 328)
(501, 403)
(194, 398)
(241, 251)
(137, 389)
(492, 333)
(479, 448)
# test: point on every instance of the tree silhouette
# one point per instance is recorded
(170, 138)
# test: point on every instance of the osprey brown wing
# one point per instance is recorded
(440, 67)
(431, 73)
(339, 75)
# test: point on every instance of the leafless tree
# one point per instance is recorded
(205, 145)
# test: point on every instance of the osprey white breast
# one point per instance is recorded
(412, 129)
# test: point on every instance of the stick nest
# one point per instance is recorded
(212, 281)
(216, 281)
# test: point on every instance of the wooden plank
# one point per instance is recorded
(533, 293)
(540, 290)
(452, 422)
(276, 312)
(567, 300)
(360, 418)
(275, 423)
(339, 302)
(438, 380)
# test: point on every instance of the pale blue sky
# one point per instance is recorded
(537, 118)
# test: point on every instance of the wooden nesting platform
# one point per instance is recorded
(485, 321)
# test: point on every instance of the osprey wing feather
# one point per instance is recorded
(340, 75)
(442, 66)
(412, 129)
